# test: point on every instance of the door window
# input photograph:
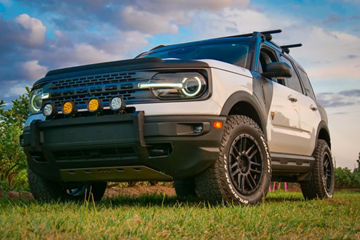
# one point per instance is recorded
(306, 82)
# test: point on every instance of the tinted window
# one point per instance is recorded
(305, 80)
(234, 53)
(293, 82)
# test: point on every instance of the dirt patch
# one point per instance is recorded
(294, 187)
(111, 192)
(139, 190)
(17, 195)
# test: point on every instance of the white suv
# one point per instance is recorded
(221, 117)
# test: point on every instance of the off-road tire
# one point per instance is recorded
(45, 191)
(216, 184)
(185, 188)
(322, 180)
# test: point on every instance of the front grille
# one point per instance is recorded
(104, 87)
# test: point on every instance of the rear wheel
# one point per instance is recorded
(242, 173)
(322, 180)
(44, 190)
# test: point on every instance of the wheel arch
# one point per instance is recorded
(242, 103)
(323, 133)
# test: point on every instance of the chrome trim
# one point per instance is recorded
(148, 85)
(45, 96)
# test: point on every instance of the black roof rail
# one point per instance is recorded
(158, 46)
(285, 48)
(267, 34)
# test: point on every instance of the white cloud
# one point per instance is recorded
(327, 55)
(85, 53)
(16, 90)
(163, 16)
(339, 99)
(123, 44)
(147, 22)
(33, 70)
(233, 21)
(163, 6)
(35, 30)
(117, 46)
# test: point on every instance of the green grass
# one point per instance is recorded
(281, 216)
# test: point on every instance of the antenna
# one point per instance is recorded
(286, 49)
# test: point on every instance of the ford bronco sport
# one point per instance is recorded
(220, 117)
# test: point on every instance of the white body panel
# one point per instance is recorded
(291, 125)
(309, 121)
(226, 80)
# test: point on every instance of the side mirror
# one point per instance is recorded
(277, 69)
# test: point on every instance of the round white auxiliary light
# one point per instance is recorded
(116, 103)
(48, 110)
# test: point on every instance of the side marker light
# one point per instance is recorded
(217, 124)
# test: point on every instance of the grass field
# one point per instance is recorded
(281, 216)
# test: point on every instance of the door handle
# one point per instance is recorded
(292, 98)
(312, 107)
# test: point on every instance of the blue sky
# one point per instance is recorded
(37, 36)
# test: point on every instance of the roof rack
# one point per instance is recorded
(285, 48)
(267, 34)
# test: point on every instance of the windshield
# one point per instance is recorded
(234, 53)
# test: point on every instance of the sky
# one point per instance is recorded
(37, 36)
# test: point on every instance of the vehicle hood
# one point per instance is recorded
(118, 66)
(136, 65)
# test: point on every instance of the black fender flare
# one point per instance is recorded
(323, 125)
(242, 96)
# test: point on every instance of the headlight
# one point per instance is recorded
(176, 85)
(36, 99)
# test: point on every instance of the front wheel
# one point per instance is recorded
(242, 173)
(44, 190)
(185, 188)
(322, 180)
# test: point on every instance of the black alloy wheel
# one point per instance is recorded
(245, 164)
(327, 171)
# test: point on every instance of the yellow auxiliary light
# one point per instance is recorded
(68, 108)
(93, 105)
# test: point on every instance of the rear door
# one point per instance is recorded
(310, 116)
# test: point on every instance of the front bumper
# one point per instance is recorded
(122, 147)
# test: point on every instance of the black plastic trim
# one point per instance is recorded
(242, 96)
(178, 146)
(290, 164)
(323, 125)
